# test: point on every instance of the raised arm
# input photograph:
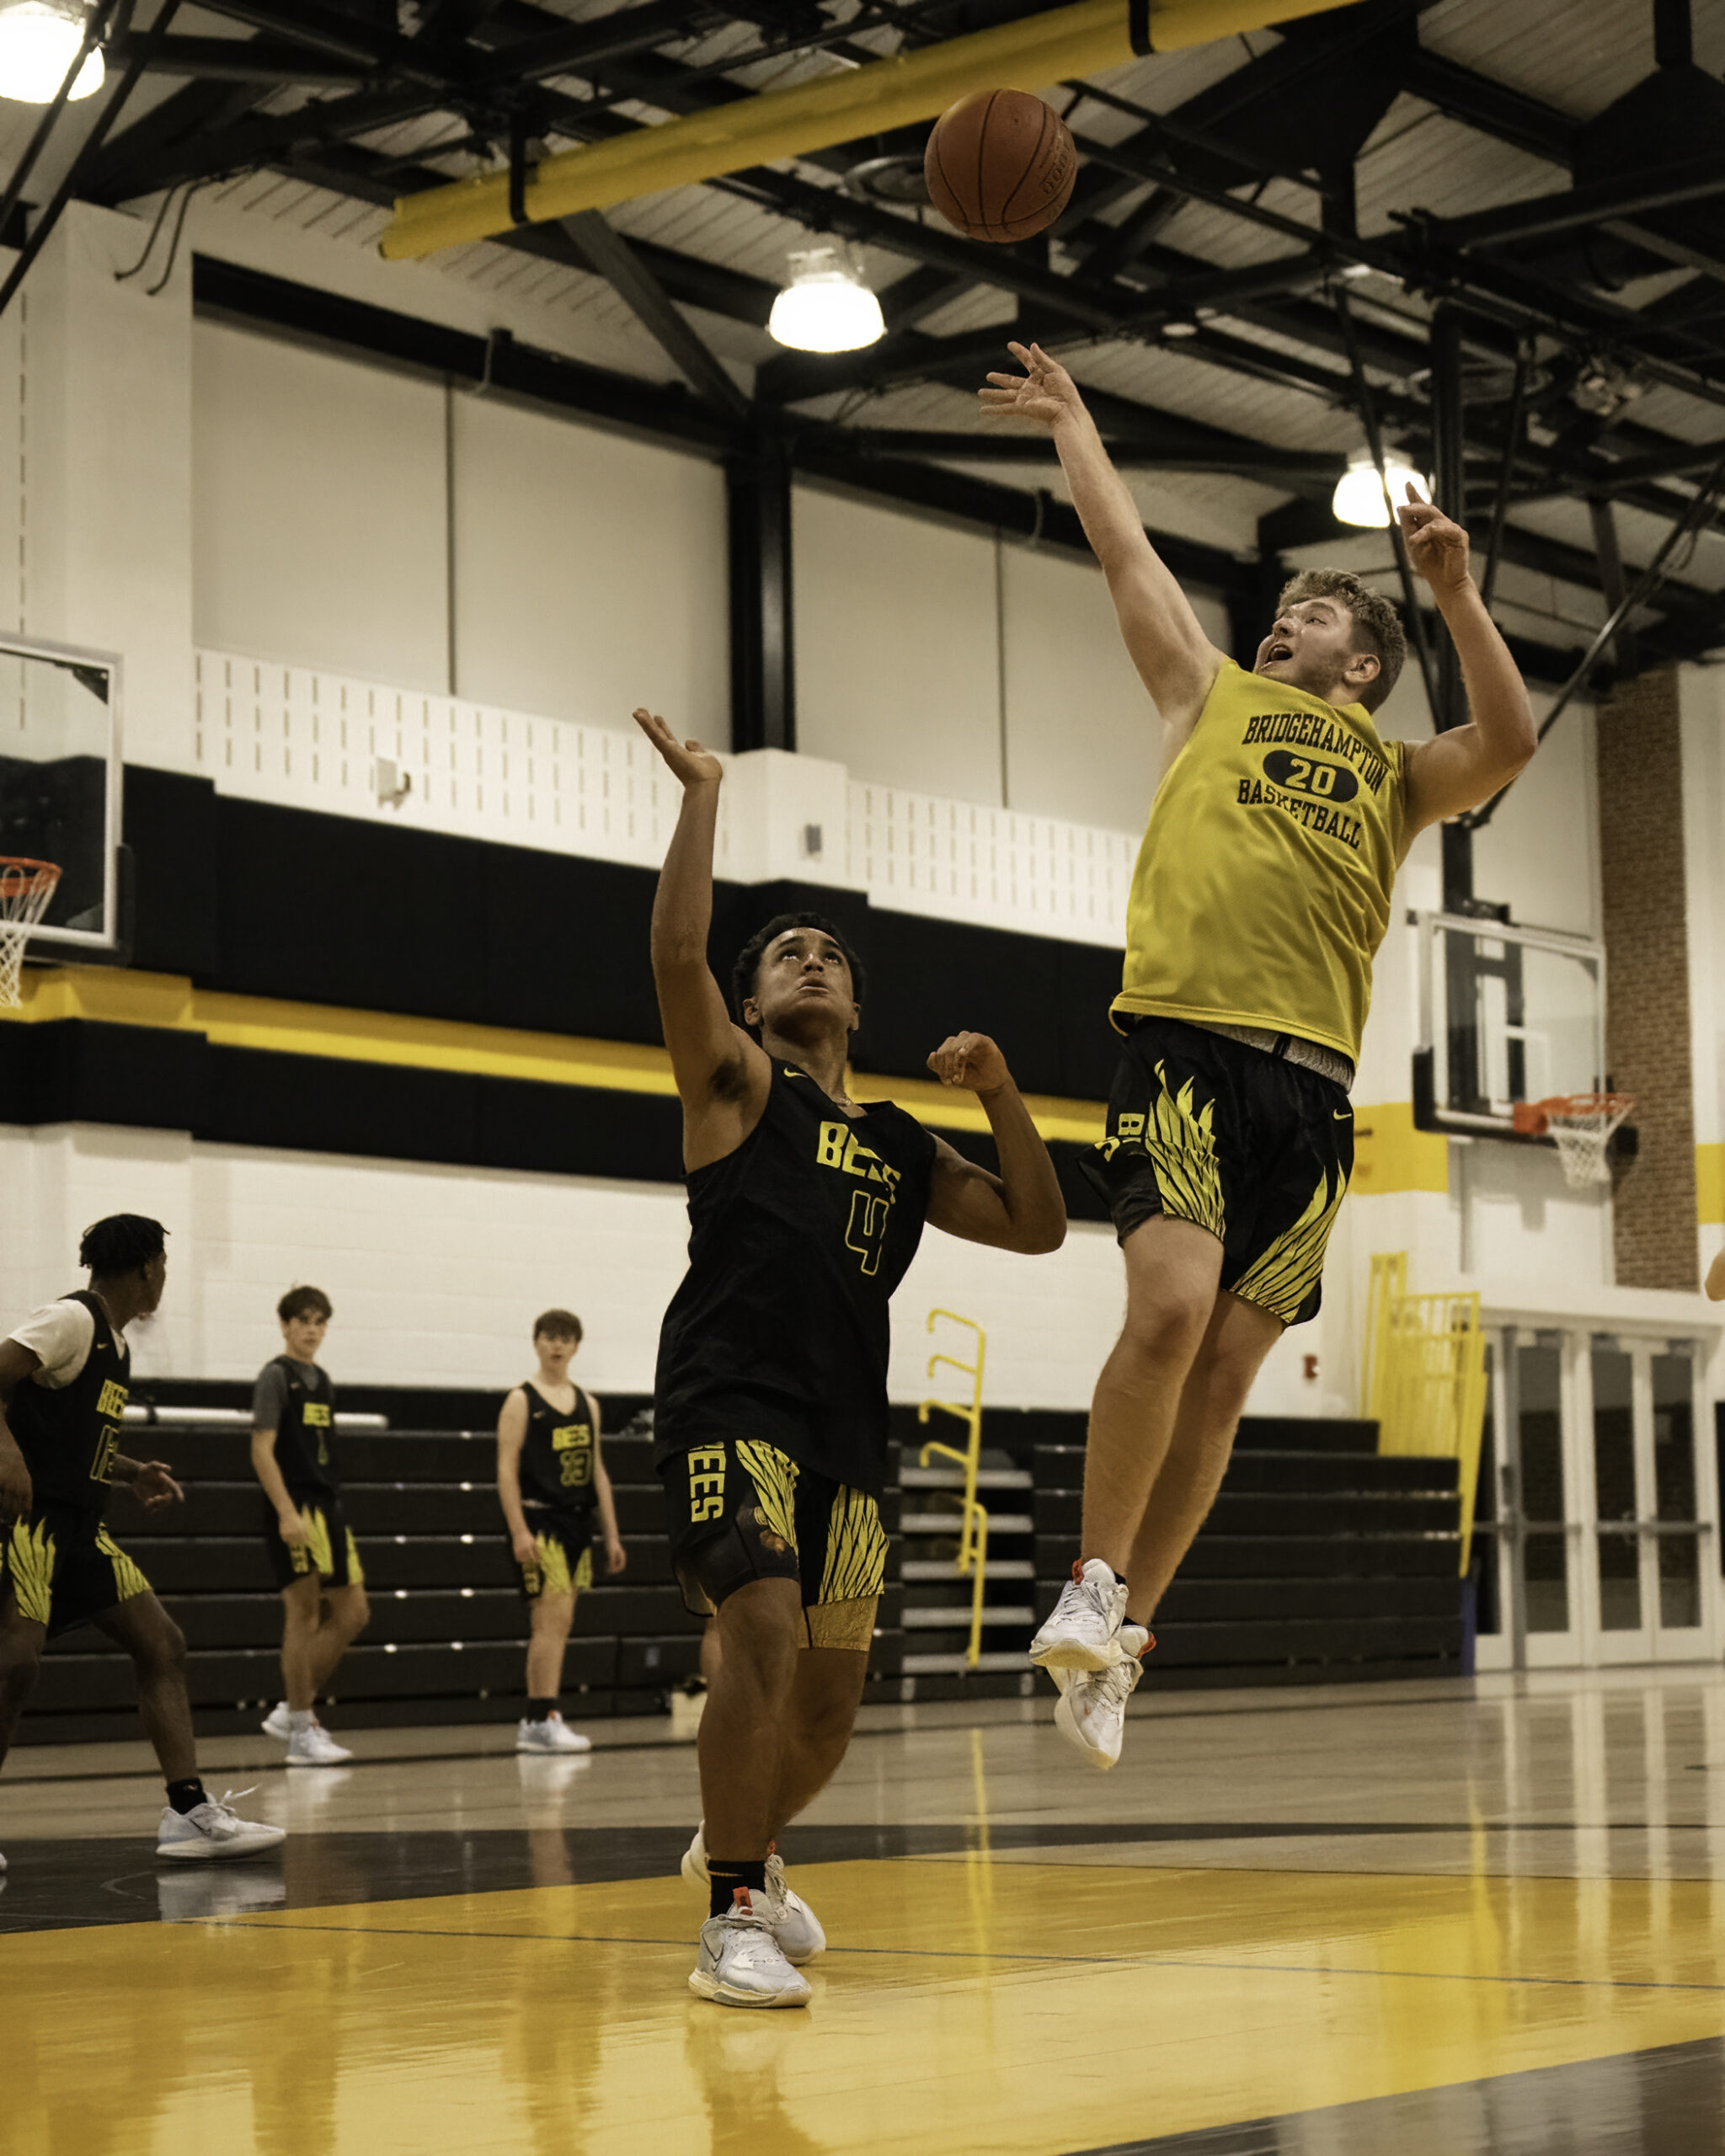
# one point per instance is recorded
(1468, 765)
(1021, 1208)
(721, 1075)
(1175, 661)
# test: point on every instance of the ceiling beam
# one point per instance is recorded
(617, 261)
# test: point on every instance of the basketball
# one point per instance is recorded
(1000, 165)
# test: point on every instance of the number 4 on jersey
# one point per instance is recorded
(866, 1231)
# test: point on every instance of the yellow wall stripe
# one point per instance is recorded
(112, 995)
(1710, 1185)
(1390, 1155)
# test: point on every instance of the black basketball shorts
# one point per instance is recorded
(62, 1567)
(328, 1549)
(1254, 1147)
(564, 1563)
(740, 1511)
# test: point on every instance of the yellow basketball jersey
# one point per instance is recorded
(1261, 890)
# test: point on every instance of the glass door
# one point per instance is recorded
(1547, 1535)
(1651, 1573)
(1684, 1623)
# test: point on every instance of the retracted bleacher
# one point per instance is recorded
(448, 1630)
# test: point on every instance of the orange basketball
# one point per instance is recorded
(1000, 165)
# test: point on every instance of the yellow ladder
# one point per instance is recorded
(973, 1533)
(1423, 1381)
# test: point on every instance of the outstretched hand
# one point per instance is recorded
(1046, 394)
(690, 763)
(972, 1061)
(154, 1486)
(1437, 546)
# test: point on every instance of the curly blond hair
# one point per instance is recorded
(1379, 624)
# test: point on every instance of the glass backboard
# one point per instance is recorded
(60, 779)
(1507, 1014)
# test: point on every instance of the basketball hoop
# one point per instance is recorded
(1581, 1123)
(25, 889)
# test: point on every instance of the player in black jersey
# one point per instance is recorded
(307, 1538)
(551, 1483)
(64, 1374)
(806, 1208)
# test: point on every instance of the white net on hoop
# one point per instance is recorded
(1582, 1124)
(25, 889)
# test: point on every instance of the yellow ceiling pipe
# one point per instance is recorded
(1025, 55)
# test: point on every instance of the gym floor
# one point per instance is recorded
(1435, 1920)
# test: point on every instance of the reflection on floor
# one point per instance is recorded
(1431, 1921)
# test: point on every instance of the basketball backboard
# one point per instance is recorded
(60, 783)
(1507, 1014)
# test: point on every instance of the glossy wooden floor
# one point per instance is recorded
(1421, 1920)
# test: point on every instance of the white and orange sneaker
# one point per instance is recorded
(741, 1964)
(789, 1917)
(1080, 1631)
(1091, 1711)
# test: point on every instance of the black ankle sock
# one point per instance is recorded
(541, 1710)
(727, 1874)
(187, 1795)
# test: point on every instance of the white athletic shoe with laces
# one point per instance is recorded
(315, 1748)
(789, 1917)
(553, 1734)
(276, 1724)
(741, 1964)
(1080, 1631)
(214, 1830)
(1091, 1711)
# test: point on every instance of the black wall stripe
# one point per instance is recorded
(260, 901)
(75, 1070)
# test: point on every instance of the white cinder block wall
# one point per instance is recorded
(437, 1273)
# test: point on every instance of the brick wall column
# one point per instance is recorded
(1648, 1047)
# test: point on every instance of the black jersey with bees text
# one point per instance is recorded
(779, 1331)
(303, 1448)
(556, 1455)
(69, 1435)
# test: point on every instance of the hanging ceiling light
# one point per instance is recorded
(1358, 498)
(39, 42)
(826, 306)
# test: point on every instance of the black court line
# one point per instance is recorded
(1668, 2101)
(971, 1955)
(1351, 1697)
(60, 1883)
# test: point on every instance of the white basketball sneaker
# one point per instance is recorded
(788, 1917)
(1091, 1711)
(553, 1734)
(1079, 1632)
(740, 1962)
(214, 1830)
(276, 1724)
(315, 1748)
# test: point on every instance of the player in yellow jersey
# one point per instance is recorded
(1260, 894)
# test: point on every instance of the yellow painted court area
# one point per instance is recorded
(964, 2006)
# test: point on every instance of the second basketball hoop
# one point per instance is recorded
(1582, 1125)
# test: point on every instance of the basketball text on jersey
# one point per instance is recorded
(110, 1405)
(836, 1147)
(1283, 815)
(707, 1485)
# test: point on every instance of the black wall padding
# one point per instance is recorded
(290, 904)
(73, 1072)
(172, 825)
